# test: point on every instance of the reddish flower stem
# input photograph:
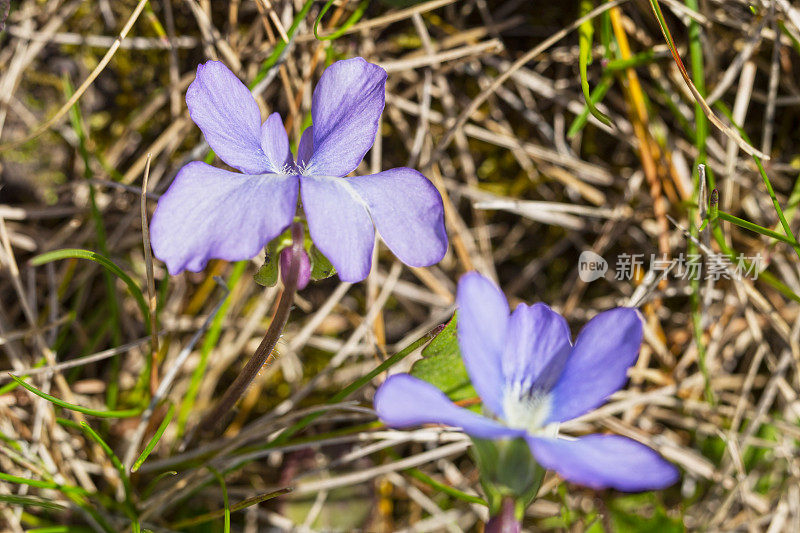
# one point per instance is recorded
(217, 420)
(504, 521)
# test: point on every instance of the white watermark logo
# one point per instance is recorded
(714, 267)
(591, 266)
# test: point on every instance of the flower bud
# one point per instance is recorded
(304, 266)
(509, 473)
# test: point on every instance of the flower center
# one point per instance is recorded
(525, 408)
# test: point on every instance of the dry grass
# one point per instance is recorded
(522, 199)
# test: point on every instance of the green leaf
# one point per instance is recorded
(441, 365)
(507, 468)
(267, 275)
(321, 268)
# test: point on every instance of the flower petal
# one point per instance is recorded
(275, 144)
(597, 366)
(482, 325)
(305, 148)
(408, 212)
(345, 109)
(605, 461)
(213, 213)
(536, 347)
(339, 225)
(404, 401)
(223, 108)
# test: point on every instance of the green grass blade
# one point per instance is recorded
(225, 502)
(768, 185)
(585, 39)
(746, 224)
(281, 45)
(40, 484)
(29, 501)
(152, 443)
(123, 413)
(441, 487)
(352, 19)
(76, 253)
(701, 135)
(78, 125)
(597, 95)
(145, 494)
(221, 512)
(126, 482)
(61, 529)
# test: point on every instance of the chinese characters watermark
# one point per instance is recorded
(592, 266)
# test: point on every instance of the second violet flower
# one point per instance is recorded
(210, 213)
(531, 378)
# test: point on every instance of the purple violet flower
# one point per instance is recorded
(530, 378)
(209, 212)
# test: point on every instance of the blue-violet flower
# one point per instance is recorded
(531, 378)
(209, 212)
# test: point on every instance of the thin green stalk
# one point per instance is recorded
(636, 60)
(764, 275)
(599, 92)
(754, 227)
(701, 136)
(352, 19)
(123, 413)
(126, 482)
(226, 510)
(281, 45)
(75, 494)
(195, 520)
(112, 390)
(767, 184)
(441, 487)
(595, 97)
(104, 261)
(152, 443)
(40, 484)
(148, 489)
(585, 39)
(8, 387)
(784, 223)
(30, 501)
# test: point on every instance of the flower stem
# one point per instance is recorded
(218, 418)
(506, 520)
